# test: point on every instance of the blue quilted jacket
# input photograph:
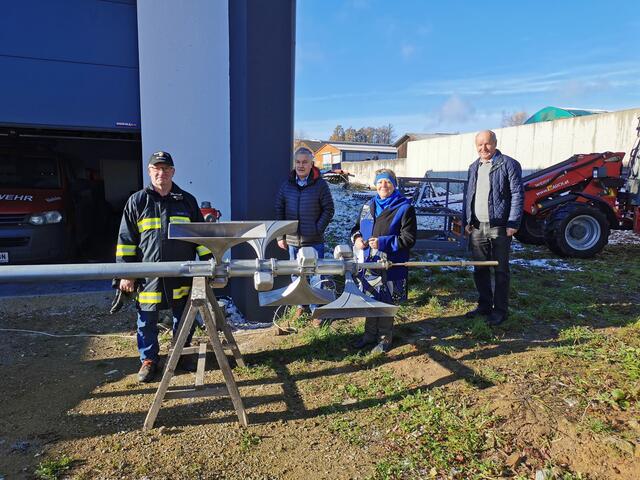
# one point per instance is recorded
(506, 195)
(311, 205)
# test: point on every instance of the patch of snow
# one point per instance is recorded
(516, 246)
(347, 210)
(624, 237)
(546, 263)
(236, 319)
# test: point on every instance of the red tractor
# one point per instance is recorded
(572, 206)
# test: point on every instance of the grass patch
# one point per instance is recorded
(478, 329)
(434, 306)
(492, 375)
(598, 426)
(435, 436)
(53, 469)
(254, 372)
(249, 440)
(348, 430)
(586, 344)
(376, 384)
(445, 349)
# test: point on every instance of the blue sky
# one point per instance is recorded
(443, 66)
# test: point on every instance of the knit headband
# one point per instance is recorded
(387, 176)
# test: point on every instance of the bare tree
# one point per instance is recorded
(514, 119)
(365, 135)
(338, 134)
(350, 135)
(384, 134)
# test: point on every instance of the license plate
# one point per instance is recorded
(4, 257)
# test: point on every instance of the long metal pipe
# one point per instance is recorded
(104, 271)
(233, 268)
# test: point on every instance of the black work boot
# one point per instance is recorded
(496, 318)
(147, 371)
(476, 312)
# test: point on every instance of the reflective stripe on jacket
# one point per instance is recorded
(143, 238)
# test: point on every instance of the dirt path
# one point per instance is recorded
(315, 410)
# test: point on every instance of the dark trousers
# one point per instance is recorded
(147, 332)
(492, 243)
(378, 329)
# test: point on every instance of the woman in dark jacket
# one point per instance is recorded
(386, 227)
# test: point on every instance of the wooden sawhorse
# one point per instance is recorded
(204, 301)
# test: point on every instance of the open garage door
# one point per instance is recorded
(62, 192)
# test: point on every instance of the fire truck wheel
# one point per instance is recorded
(531, 230)
(576, 230)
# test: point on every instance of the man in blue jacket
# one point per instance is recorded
(305, 197)
(494, 202)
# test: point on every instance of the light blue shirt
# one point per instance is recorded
(302, 182)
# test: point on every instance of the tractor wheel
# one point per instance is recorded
(576, 230)
(531, 230)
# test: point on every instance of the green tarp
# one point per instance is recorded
(554, 113)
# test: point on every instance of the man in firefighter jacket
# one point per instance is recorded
(143, 238)
(386, 227)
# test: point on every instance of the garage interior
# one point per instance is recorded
(103, 168)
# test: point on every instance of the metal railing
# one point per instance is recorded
(440, 211)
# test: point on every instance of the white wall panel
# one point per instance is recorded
(535, 146)
(184, 92)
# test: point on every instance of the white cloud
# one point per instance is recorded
(568, 84)
(456, 110)
(592, 77)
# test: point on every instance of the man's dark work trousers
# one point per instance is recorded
(492, 243)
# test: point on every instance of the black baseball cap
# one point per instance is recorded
(161, 157)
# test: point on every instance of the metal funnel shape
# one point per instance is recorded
(217, 237)
(354, 303)
(274, 229)
(299, 292)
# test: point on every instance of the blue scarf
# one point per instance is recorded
(382, 203)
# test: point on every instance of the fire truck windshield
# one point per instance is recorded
(29, 172)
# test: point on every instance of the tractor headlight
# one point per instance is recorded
(45, 218)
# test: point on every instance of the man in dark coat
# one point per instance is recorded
(143, 237)
(305, 197)
(494, 200)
